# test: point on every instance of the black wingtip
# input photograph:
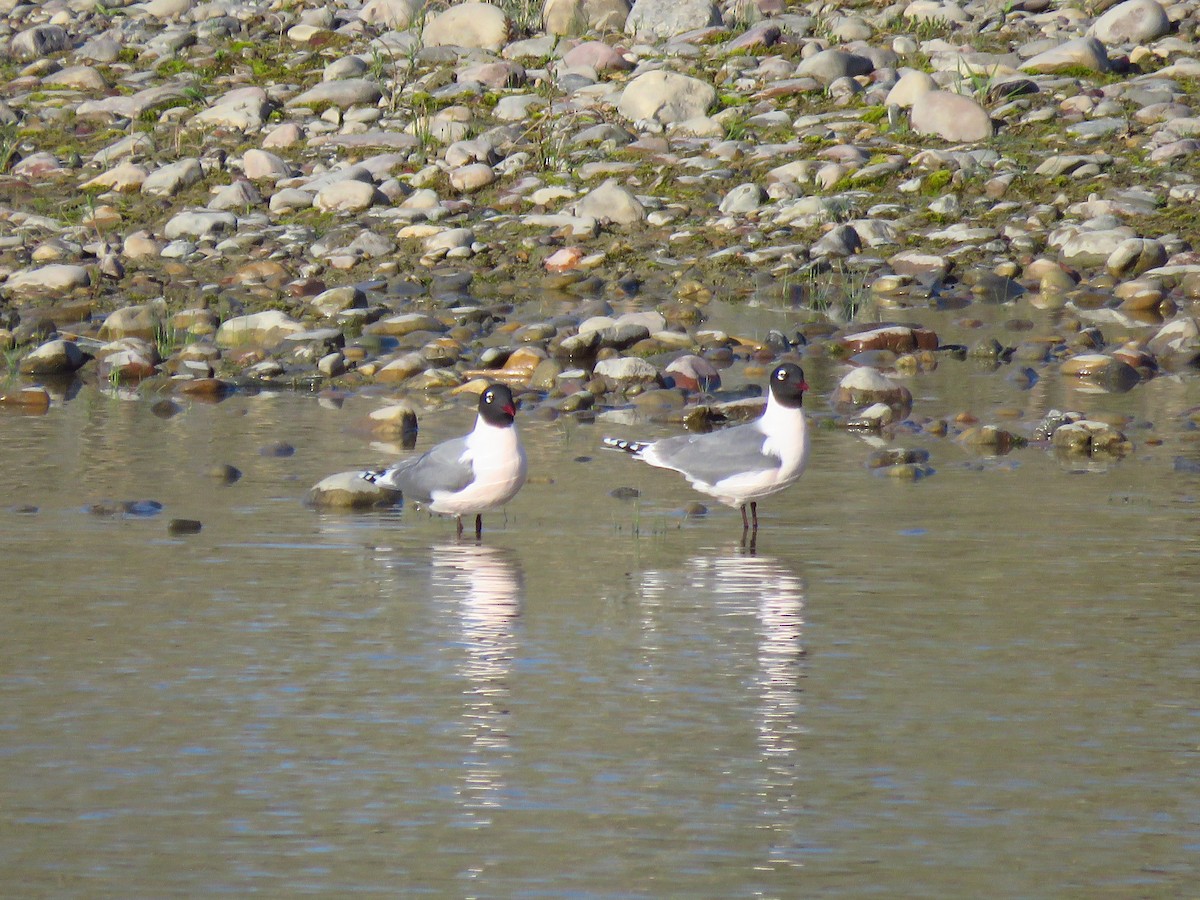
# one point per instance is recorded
(626, 446)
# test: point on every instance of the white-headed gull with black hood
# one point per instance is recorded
(742, 464)
(470, 474)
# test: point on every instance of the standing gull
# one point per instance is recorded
(742, 464)
(469, 474)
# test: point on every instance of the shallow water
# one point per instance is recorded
(983, 683)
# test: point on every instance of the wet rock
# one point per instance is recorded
(56, 357)
(896, 338)
(277, 449)
(990, 439)
(1090, 438)
(839, 242)
(693, 373)
(1186, 466)
(1177, 343)
(396, 421)
(626, 371)
(208, 389)
(872, 418)
(127, 360)
(264, 329)
(1102, 370)
(1134, 256)
(33, 400)
(143, 320)
(184, 526)
(224, 473)
(349, 491)
(337, 300)
(1083, 248)
(402, 368)
(861, 388)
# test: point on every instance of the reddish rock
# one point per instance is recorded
(897, 338)
(30, 400)
(693, 373)
(564, 260)
(209, 389)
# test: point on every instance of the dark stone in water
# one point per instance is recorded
(184, 526)
(625, 493)
(277, 449)
(1022, 378)
(138, 508)
(450, 282)
(582, 459)
(166, 409)
(1053, 420)
(225, 473)
(896, 456)
(25, 509)
(141, 508)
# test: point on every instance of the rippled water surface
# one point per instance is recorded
(983, 683)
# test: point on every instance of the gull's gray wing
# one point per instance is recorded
(714, 456)
(440, 469)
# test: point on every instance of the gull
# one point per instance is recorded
(470, 474)
(740, 465)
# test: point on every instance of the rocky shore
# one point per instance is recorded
(200, 198)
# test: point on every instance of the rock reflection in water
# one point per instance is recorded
(487, 584)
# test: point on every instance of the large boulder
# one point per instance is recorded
(666, 97)
(1131, 22)
(950, 116)
(657, 20)
(479, 25)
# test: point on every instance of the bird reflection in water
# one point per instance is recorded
(739, 585)
(488, 586)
